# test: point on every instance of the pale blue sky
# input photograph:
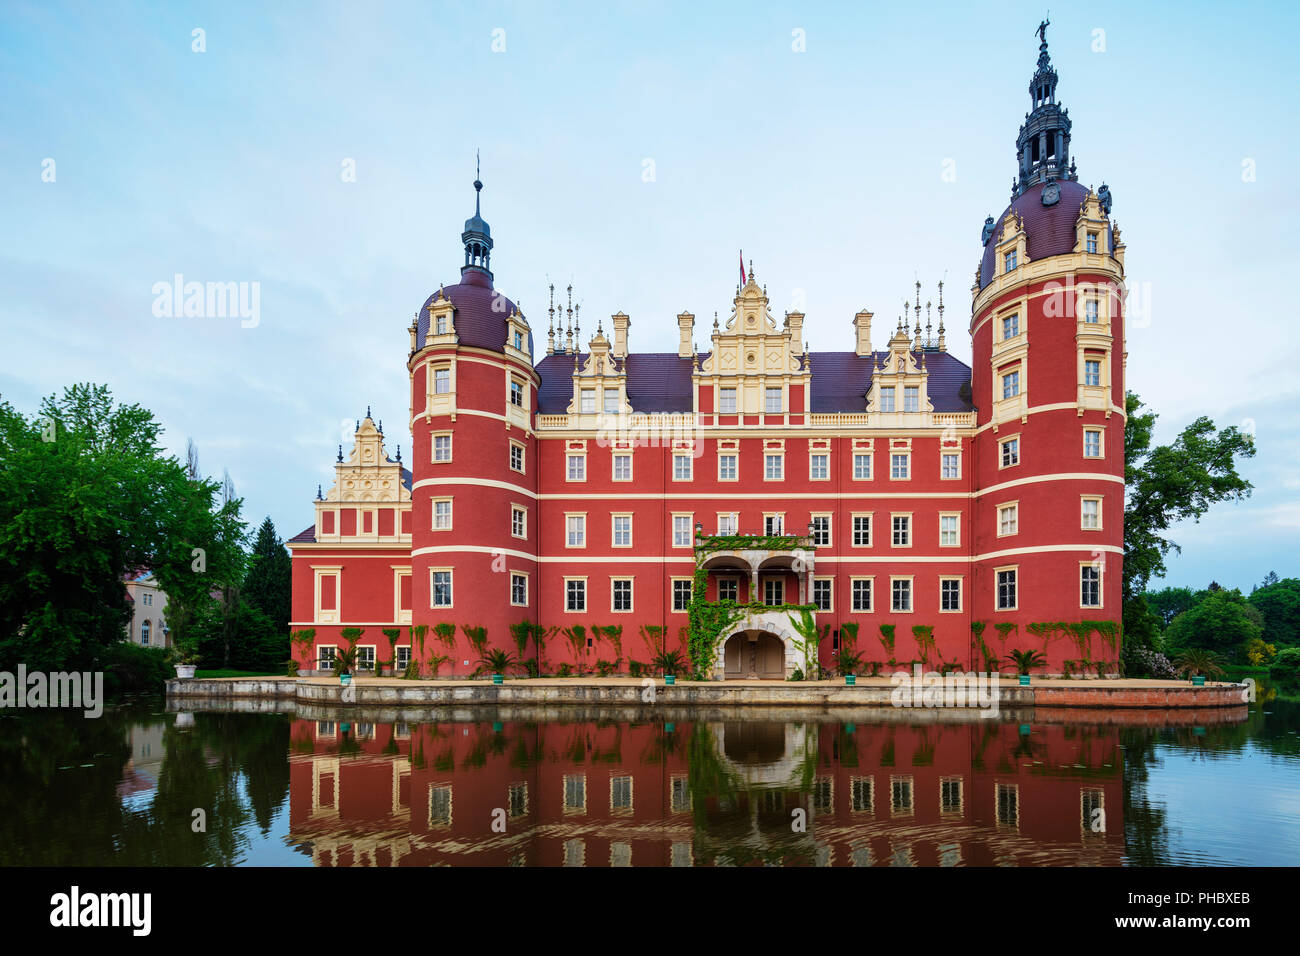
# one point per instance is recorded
(824, 165)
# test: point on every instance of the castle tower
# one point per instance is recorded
(1048, 383)
(474, 463)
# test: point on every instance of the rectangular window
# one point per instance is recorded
(1091, 514)
(440, 806)
(622, 468)
(519, 590)
(821, 530)
(1090, 311)
(899, 465)
(1008, 800)
(325, 658)
(1091, 443)
(1010, 452)
(516, 457)
(727, 523)
(773, 592)
(442, 514)
(576, 527)
(575, 595)
(901, 592)
(949, 531)
(1089, 586)
(727, 401)
(681, 594)
(911, 398)
(772, 524)
(862, 531)
(862, 794)
(1010, 327)
(1009, 260)
(822, 593)
(681, 531)
(1092, 242)
(681, 467)
(772, 401)
(441, 589)
(620, 793)
(819, 467)
(726, 467)
(1011, 385)
(403, 658)
(862, 594)
(442, 380)
(1007, 590)
(440, 326)
(609, 400)
(887, 399)
(728, 589)
(519, 522)
(773, 467)
(622, 531)
(1008, 519)
(442, 448)
(575, 791)
(950, 594)
(577, 468)
(861, 465)
(519, 341)
(902, 527)
(621, 599)
(516, 393)
(1091, 372)
(588, 401)
(950, 465)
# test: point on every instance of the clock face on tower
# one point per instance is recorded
(1051, 194)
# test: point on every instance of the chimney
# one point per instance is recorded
(862, 323)
(794, 322)
(686, 328)
(621, 322)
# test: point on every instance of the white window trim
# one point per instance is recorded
(1002, 506)
(433, 513)
(672, 593)
(690, 465)
(996, 571)
(1097, 498)
(907, 457)
(950, 514)
(527, 588)
(830, 526)
(451, 585)
(729, 454)
(1020, 451)
(523, 462)
(613, 470)
(524, 510)
(780, 456)
(631, 580)
(1101, 442)
(779, 516)
(1101, 585)
(961, 593)
(871, 528)
(871, 593)
(568, 457)
(690, 528)
(819, 453)
(830, 580)
(613, 533)
(565, 601)
(868, 454)
(950, 451)
(911, 593)
(911, 531)
(575, 514)
(433, 447)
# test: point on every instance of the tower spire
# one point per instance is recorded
(1043, 144)
(477, 236)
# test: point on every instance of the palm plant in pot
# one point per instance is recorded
(1025, 661)
(670, 662)
(498, 661)
(345, 661)
(1197, 664)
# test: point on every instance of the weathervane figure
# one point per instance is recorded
(1042, 29)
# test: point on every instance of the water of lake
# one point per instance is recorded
(651, 788)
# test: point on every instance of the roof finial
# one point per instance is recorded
(340, 452)
(478, 185)
(367, 411)
(399, 454)
(751, 269)
(319, 496)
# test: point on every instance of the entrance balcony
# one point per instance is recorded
(755, 554)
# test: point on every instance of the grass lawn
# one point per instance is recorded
(234, 673)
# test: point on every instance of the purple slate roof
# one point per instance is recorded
(305, 536)
(1049, 229)
(478, 323)
(661, 382)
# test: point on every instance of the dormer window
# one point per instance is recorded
(727, 401)
(1010, 261)
(772, 402)
(887, 399)
(1092, 242)
(519, 341)
(588, 405)
(610, 397)
(441, 325)
(911, 398)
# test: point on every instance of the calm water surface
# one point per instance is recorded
(1078, 789)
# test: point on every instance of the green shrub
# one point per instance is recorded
(1286, 666)
(131, 669)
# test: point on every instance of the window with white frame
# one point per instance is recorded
(622, 531)
(772, 401)
(1090, 514)
(681, 466)
(575, 594)
(950, 464)
(821, 595)
(861, 465)
(902, 531)
(442, 447)
(518, 521)
(442, 514)
(325, 657)
(950, 594)
(1091, 242)
(1090, 311)
(440, 587)
(516, 393)
(773, 592)
(1010, 450)
(819, 466)
(576, 530)
(1009, 261)
(861, 594)
(1006, 589)
(1010, 326)
(519, 590)
(773, 466)
(609, 401)
(403, 658)
(1092, 372)
(1092, 443)
(1089, 586)
(587, 401)
(727, 523)
(681, 594)
(622, 469)
(1008, 519)
(727, 401)
(900, 594)
(442, 380)
(440, 326)
(516, 457)
(911, 398)
(772, 524)
(621, 594)
(681, 531)
(821, 530)
(365, 657)
(727, 467)
(900, 464)
(887, 398)
(949, 530)
(1011, 384)
(862, 531)
(728, 589)
(577, 468)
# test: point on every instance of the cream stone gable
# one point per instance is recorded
(900, 368)
(600, 376)
(367, 474)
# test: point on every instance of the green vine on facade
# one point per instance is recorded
(887, 639)
(924, 634)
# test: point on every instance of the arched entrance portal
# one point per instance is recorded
(754, 655)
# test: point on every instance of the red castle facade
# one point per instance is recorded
(977, 510)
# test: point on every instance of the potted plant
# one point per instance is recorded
(1198, 664)
(185, 657)
(1025, 661)
(848, 662)
(345, 660)
(670, 662)
(498, 661)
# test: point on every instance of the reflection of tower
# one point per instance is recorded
(1048, 384)
(473, 391)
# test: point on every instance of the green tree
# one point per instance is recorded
(1168, 603)
(1171, 483)
(1279, 604)
(1221, 621)
(268, 584)
(1142, 626)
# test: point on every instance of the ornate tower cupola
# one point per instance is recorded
(1044, 141)
(477, 236)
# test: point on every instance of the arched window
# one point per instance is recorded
(144, 633)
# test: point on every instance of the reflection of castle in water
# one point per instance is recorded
(718, 792)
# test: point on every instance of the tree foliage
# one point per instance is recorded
(1278, 602)
(1221, 621)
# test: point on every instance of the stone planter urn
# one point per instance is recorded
(185, 671)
